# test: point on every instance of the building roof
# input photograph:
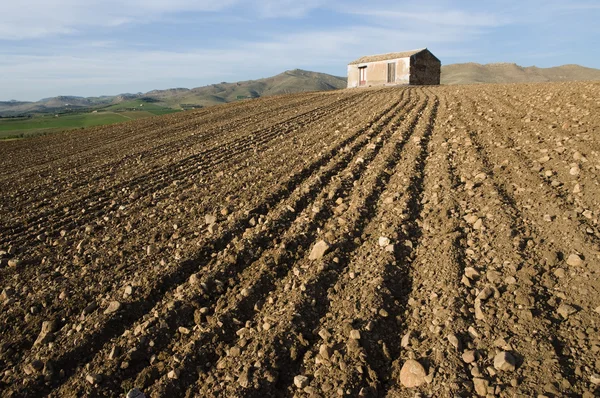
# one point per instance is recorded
(385, 57)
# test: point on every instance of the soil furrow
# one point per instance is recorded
(151, 182)
(294, 242)
(227, 115)
(259, 246)
(558, 161)
(310, 245)
(98, 337)
(533, 306)
(284, 328)
(83, 300)
(361, 367)
(434, 320)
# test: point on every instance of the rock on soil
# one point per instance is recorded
(93, 378)
(574, 260)
(504, 361)
(114, 306)
(412, 374)
(481, 386)
(301, 381)
(565, 310)
(383, 241)
(135, 393)
(318, 250)
(46, 334)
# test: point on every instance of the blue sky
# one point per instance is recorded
(106, 47)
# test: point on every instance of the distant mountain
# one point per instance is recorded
(292, 81)
(512, 73)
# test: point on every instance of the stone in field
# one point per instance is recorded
(504, 361)
(481, 386)
(173, 374)
(471, 219)
(135, 393)
(383, 241)
(301, 381)
(565, 310)
(14, 262)
(244, 379)
(412, 374)
(318, 250)
(574, 260)
(46, 334)
(574, 170)
(93, 378)
(468, 356)
(114, 306)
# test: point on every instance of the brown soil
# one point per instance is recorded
(175, 254)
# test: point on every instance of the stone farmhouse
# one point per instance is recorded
(416, 67)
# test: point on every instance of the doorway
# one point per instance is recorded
(391, 72)
(362, 76)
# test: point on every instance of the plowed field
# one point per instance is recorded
(310, 245)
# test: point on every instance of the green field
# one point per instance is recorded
(11, 128)
(139, 105)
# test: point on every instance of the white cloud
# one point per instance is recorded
(28, 19)
(442, 17)
(287, 8)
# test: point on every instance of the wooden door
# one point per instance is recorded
(391, 72)
(362, 76)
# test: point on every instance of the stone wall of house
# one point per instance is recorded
(425, 69)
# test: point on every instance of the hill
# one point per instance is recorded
(292, 81)
(288, 82)
(471, 72)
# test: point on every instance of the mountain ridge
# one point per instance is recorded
(290, 81)
(507, 72)
(287, 82)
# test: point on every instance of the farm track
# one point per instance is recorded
(175, 255)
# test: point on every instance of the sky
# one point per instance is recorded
(108, 47)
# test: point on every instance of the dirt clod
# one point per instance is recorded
(565, 310)
(46, 334)
(113, 307)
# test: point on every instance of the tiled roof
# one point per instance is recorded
(384, 57)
